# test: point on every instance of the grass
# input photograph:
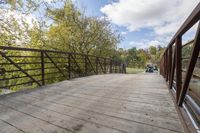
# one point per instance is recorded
(134, 70)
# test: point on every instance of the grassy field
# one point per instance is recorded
(134, 70)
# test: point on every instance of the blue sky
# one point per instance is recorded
(93, 8)
(143, 23)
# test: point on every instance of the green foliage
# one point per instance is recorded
(152, 50)
(138, 58)
(75, 32)
(64, 28)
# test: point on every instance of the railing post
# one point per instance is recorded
(163, 71)
(167, 65)
(115, 67)
(111, 66)
(172, 69)
(104, 65)
(178, 66)
(42, 68)
(86, 66)
(170, 63)
(69, 66)
(161, 66)
(125, 68)
(96, 62)
(120, 70)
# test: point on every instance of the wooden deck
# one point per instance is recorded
(110, 103)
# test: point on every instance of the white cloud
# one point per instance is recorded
(8, 16)
(163, 16)
(15, 23)
(123, 33)
(137, 44)
(145, 43)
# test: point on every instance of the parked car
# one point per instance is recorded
(155, 68)
(151, 68)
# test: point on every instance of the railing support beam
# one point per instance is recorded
(69, 66)
(172, 69)
(178, 67)
(97, 66)
(190, 69)
(170, 63)
(86, 65)
(42, 68)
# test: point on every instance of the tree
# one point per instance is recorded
(73, 31)
(132, 56)
(143, 58)
(63, 27)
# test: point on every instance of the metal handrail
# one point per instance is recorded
(171, 60)
(19, 69)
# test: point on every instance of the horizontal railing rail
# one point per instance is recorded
(22, 68)
(180, 66)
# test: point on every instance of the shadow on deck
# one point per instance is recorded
(138, 103)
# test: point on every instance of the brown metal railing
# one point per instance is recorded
(22, 68)
(178, 70)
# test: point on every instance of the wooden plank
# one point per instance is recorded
(8, 128)
(113, 105)
(100, 119)
(109, 111)
(102, 103)
(59, 119)
(27, 123)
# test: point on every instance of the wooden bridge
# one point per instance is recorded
(102, 103)
(84, 93)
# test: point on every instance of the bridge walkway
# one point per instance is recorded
(111, 103)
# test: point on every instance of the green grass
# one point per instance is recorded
(134, 70)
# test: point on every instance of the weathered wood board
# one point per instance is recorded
(113, 103)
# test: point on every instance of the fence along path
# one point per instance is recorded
(22, 68)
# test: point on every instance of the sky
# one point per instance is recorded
(143, 23)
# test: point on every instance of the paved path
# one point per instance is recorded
(111, 103)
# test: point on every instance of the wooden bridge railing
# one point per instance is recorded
(22, 68)
(182, 71)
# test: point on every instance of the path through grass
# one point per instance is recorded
(134, 70)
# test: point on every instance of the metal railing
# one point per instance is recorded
(179, 70)
(22, 68)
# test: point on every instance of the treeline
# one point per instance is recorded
(139, 58)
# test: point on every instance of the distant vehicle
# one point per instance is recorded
(155, 68)
(151, 68)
